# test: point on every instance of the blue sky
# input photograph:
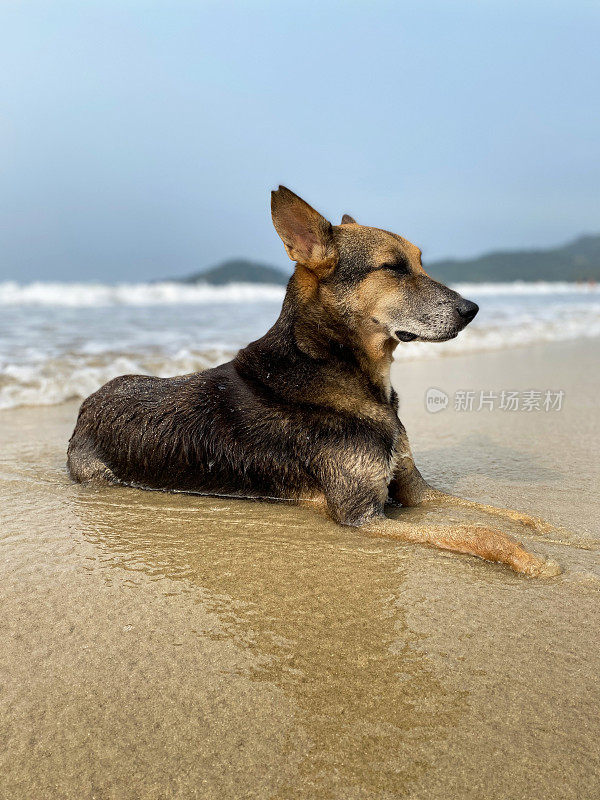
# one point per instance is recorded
(141, 139)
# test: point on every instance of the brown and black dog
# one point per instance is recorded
(307, 412)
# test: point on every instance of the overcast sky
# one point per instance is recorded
(141, 139)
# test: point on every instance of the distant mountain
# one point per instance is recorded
(239, 270)
(576, 261)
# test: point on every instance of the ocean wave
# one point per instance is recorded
(49, 381)
(526, 288)
(88, 295)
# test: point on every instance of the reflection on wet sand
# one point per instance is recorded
(327, 628)
(482, 455)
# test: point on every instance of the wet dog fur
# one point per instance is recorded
(307, 412)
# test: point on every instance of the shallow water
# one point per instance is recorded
(167, 646)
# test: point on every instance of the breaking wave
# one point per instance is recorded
(87, 295)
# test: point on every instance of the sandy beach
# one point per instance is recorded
(159, 646)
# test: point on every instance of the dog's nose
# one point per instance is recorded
(467, 309)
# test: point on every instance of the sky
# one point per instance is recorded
(141, 140)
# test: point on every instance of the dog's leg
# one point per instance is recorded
(475, 540)
(360, 503)
(409, 488)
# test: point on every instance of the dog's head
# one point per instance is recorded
(371, 279)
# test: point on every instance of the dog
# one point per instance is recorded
(307, 412)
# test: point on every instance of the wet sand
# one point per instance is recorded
(167, 646)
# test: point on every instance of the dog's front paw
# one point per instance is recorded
(540, 568)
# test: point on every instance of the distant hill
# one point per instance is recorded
(239, 270)
(576, 261)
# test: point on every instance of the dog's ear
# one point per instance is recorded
(307, 236)
(348, 220)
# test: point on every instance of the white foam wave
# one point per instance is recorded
(86, 295)
(525, 288)
(72, 377)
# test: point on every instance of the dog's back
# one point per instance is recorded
(121, 424)
(207, 432)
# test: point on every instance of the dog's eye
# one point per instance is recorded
(399, 267)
